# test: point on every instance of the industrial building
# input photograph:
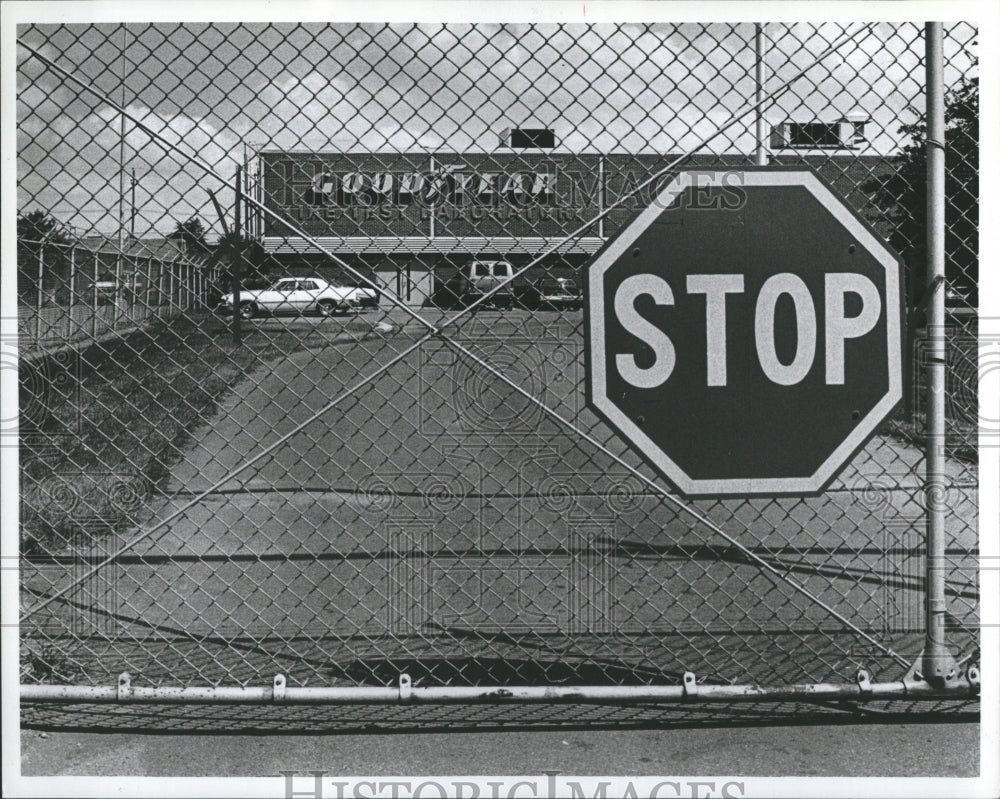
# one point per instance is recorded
(409, 219)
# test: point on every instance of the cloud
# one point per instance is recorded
(76, 168)
(45, 96)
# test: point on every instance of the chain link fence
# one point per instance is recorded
(349, 442)
(76, 294)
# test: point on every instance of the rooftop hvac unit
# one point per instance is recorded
(845, 133)
(528, 138)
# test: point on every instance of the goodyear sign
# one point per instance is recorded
(501, 194)
(409, 194)
(447, 185)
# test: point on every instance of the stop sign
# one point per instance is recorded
(744, 332)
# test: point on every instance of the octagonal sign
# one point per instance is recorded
(744, 332)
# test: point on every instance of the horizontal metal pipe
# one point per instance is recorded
(526, 694)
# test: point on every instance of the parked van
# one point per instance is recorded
(476, 278)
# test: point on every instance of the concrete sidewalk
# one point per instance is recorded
(847, 750)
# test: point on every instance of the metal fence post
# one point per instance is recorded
(147, 311)
(116, 313)
(133, 285)
(760, 75)
(93, 301)
(72, 289)
(236, 256)
(159, 288)
(938, 663)
(128, 277)
(38, 292)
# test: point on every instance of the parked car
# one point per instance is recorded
(475, 279)
(301, 295)
(366, 296)
(551, 292)
(216, 293)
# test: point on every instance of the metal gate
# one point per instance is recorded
(396, 491)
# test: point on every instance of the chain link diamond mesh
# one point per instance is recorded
(398, 472)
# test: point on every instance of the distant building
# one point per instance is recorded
(137, 254)
(408, 219)
(160, 247)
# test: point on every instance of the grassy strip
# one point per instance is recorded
(118, 416)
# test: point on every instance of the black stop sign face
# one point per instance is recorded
(744, 333)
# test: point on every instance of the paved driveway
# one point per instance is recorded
(435, 513)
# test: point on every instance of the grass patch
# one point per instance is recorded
(104, 443)
(43, 662)
(961, 438)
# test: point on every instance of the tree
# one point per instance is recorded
(38, 226)
(35, 231)
(254, 257)
(900, 198)
(192, 235)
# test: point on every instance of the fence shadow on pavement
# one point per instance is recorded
(367, 719)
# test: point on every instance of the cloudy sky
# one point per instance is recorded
(216, 90)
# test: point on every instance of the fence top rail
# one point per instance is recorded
(151, 252)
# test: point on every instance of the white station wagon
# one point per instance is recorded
(301, 295)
